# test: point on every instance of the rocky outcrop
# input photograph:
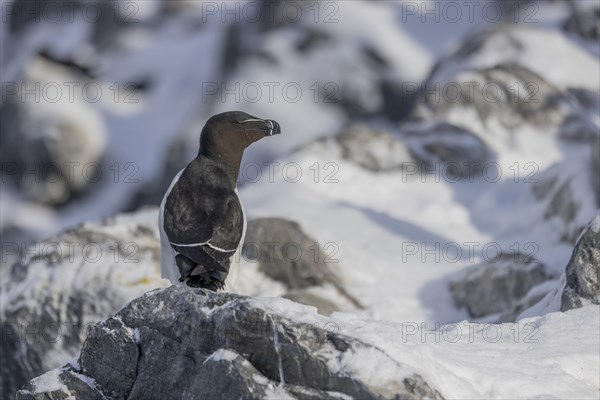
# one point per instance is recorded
(220, 345)
(535, 101)
(451, 148)
(567, 195)
(584, 22)
(499, 287)
(285, 253)
(497, 86)
(53, 144)
(583, 269)
(376, 149)
(54, 293)
(596, 168)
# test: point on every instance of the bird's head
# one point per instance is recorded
(235, 131)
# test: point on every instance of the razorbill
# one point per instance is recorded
(202, 222)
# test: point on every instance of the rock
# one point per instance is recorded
(443, 145)
(220, 345)
(54, 147)
(584, 22)
(504, 99)
(363, 77)
(373, 148)
(497, 286)
(55, 292)
(519, 45)
(596, 168)
(507, 103)
(577, 128)
(567, 195)
(285, 253)
(288, 255)
(61, 383)
(303, 296)
(583, 269)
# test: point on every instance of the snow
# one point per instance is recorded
(393, 233)
(277, 393)
(50, 382)
(278, 351)
(547, 356)
(222, 355)
(533, 53)
(595, 224)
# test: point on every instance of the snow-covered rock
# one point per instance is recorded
(596, 168)
(59, 287)
(284, 253)
(332, 67)
(583, 270)
(567, 195)
(54, 142)
(219, 345)
(376, 149)
(443, 145)
(497, 85)
(584, 21)
(498, 286)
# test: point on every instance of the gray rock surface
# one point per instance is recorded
(568, 195)
(596, 168)
(583, 269)
(221, 346)
(52, 296)
(443, 146)
(584, 22)
(52, 148)
(496, 85)
(374, 148)
(498, 286)
(536, 101)
(285, 253)
(303, 296)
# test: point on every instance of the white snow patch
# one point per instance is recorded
(595, 224)
(51, 382)
(222, 355)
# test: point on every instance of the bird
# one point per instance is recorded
(201, 218)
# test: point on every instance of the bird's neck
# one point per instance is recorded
(229, 159)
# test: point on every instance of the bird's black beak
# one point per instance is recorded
(266, 126)
(272, 127)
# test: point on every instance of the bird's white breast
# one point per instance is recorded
(168, 267)
(234, 269)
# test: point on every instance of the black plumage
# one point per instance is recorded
(202, 217)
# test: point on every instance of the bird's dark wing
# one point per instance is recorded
(203, 221)
(186, 222)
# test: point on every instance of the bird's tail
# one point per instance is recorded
(196, 275)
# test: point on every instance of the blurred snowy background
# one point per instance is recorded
(419, 139)
(102, 102)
